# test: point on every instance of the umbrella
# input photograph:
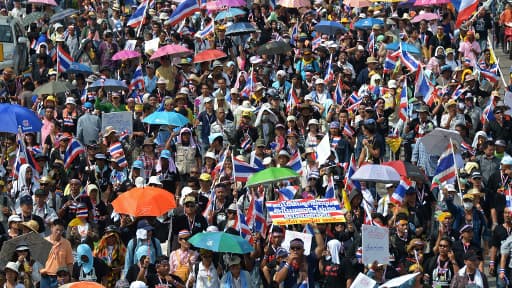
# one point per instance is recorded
(357, 3)
(54, 87)
(437, 141)
(79, 68)
(376, 173)
(425, 16)
(274, 48)
(208, 55)
(108, 84)
(39, 247)
(125, 54)
(330, 27)
(407, 169)
(270, 175)
(230, 13)
(82, 284)
(405, 47)
(430, 2)
(220, 4)
(221, 242)
(367, 23)
(388, 1)
(62, 15)
(166, 118)
(240, 28)
(294, 3)
(13, 116)
(171, 50)
(31, 18)
(44, 2)
(145, 201)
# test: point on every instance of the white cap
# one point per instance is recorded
(450, 187)
(154, 180)
(70, 100)
(389, 185)
(392, 84)
(319, 81)
(138, 284)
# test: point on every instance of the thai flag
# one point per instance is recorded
(184, 9)
(295, 163)
(330, 192)
(316, 42)
(390, 61)
(219, 168)
(445, 170)
(272, 5)
(488, 113)
(458, 92)
(73, 150)
(408, 60)
(246, 143)
(304, 284)
(465, 147)
(64, 59)
(255, 216)
(208, 29)
(404, 102)
(347, 131)
(295, 33)
(242, 226)
(53, 54)
(258, 163)
(116, 151)
(354, 98)
(371, 43)
(288, 192)
(138, 16)
(242, 170)
(33, 44)
(249, 83)
(329, 75)
(351, 169)
(25, 156)
(123, 136)
(423, 87)
(354, 106)
(338, 93)
(465, 9)
(209, 208)
(399, 194)
(292, 100)
(488, 75)
(137, 79)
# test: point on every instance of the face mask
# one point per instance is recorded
(468, 205)
(463, 181)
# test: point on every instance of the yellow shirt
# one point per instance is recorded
(168, 73)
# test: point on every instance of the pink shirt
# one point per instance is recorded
(47, 128)
(465, 50)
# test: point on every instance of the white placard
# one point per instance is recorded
(130, 45)
(290, 235)
(508, 101)
(363, 281)
(121, 121)
(395, 282)
(375, 244)
(151, 45)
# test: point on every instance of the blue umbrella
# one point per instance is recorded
(367, 23)
(405, 47)
(13, 116)
(108, 84)
(240, 28)
(166, 118)
(61, 15)
(330, 27)
(230, 13)
(221, 242)
(79, 68)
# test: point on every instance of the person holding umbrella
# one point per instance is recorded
(28, 268)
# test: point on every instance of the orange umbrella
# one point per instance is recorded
(83, 284)
(146, 201)
(208, 55)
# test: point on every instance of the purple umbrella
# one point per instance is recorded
(425, 16)
(125, 54)
(221, 4)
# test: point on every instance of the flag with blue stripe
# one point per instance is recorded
(184, 9)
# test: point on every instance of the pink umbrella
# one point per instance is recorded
(294, 3)
(125, 54)
(221, 4)
(357, 3)
(430, 2)
(171, 50)
(425, 16)
(45, 2)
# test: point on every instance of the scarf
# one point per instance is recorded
(85, 250)
(229, 280)
(478, 277)
(118, 253)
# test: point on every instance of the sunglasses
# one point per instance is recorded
(296, 248)
(418, 249)
(190, 205)
(185, 239)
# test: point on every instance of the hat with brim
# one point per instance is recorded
(31, 225)
(108, 131)
(371, 59)
(12, 266)
(466, 228)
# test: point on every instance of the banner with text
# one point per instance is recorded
(305, 211)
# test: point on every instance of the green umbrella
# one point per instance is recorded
(221, 242)
(271, 174)
(54, 87)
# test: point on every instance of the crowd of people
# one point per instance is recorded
(346, 84)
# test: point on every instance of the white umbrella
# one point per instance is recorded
(376, 173)
(436, 142)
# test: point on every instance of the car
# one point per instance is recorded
(14, 46)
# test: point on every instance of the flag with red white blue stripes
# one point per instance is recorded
(73, 150)
(404, 102)
(64, 60)
(137, 79)
(287, 192)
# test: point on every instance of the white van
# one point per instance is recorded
(14, 44)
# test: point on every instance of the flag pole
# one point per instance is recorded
(456, 169)
(57, 51)
(143, 18)
(493, 55)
